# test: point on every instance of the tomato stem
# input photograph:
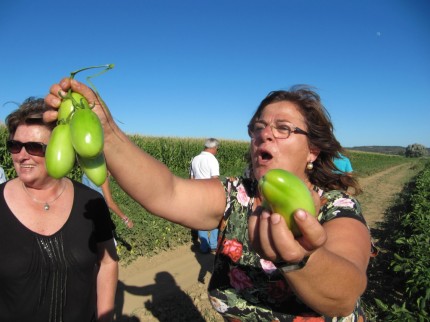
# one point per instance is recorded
(93, 87)
(106, 66)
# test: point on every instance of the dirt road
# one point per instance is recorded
(167, 288)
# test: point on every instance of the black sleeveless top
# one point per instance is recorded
(52, 278)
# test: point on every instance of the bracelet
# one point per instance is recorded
(125, 220)
(286, 267)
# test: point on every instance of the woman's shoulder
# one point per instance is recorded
(337, 194)
(338, 204)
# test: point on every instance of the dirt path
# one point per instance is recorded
(167, 288)
(381, 188)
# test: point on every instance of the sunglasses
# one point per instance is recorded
(34, 148)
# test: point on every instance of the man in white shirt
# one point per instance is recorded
(205, 166)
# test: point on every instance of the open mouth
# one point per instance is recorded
(265, 156)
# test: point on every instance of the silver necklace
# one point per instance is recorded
(46, 204)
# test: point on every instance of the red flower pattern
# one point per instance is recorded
(232, 249)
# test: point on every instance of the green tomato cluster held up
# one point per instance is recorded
(78, 133)
(284, 193)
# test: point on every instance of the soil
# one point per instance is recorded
(172, 286)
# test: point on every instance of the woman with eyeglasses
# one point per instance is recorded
(261, 272)
(58, 261)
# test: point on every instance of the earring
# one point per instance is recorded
(309, 165)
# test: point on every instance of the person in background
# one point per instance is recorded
(104, 190)
(206, 166)
(3, 177)
(342, 164)
(59, 261)
(261, 271)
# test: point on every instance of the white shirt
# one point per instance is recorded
(204, 166)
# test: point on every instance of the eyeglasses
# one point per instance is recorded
(34, 148)
(279, 130)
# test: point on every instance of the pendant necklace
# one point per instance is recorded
(46, 204)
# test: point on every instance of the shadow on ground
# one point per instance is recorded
(168, 301)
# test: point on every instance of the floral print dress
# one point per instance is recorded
(245, 287)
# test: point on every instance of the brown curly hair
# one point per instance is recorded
(29, 112)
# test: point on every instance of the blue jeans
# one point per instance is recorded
(208, 240)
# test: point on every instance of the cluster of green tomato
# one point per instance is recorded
(78, 135)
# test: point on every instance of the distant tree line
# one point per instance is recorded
(414, 150)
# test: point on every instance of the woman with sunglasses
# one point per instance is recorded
(59, 261)
(261, 271)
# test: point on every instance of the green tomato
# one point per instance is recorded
(69, 105)
(87, 133)
(284, 193)
(60, 154)
(94, 168)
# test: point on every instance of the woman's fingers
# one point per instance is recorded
(267, 245)
(50, 116)
(53, 99)
(273, 240)
(286, 246)
(313, 233)
(87, 92)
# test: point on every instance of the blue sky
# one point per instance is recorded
(199, 68)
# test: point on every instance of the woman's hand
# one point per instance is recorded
(53, 100)
(127, 221)
(272, 240)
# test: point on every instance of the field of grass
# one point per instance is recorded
(368, 163)
(399, 277)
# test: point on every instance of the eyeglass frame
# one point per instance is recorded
(292, 129)
(29, 147)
